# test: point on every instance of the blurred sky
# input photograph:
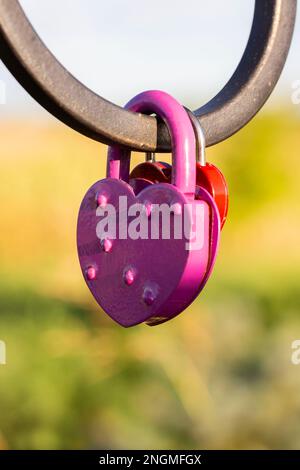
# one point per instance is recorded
(119, 48)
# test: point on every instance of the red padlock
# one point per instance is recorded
(208, 176)
(150, 170)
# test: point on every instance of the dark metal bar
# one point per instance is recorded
(39, 72)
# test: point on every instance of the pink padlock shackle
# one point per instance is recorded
(182, 138)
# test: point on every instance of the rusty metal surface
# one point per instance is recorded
(40, 73)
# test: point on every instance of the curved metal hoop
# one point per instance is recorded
(39, 72)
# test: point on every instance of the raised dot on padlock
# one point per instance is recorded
(149, 296)
(176, 208)
(101, 200)
(91, 273)
(106, 245)
(129, 276)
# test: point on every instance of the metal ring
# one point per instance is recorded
(39, 72)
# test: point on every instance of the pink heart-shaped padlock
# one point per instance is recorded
(151, 274)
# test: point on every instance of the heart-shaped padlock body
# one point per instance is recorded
(148, 268)
(142, 280)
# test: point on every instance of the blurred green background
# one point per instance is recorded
(218, 376)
